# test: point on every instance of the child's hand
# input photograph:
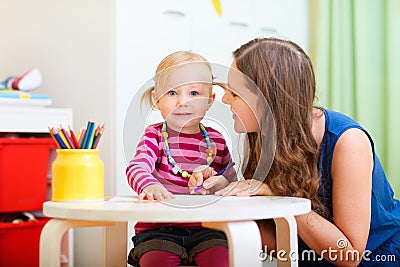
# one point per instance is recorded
(155, 192)
(197, 178)
(204, 175)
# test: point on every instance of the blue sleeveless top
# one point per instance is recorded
(385, 210)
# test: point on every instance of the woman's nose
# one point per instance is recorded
(226, 98)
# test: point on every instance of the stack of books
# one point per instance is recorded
(19, 98)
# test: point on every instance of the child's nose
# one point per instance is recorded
(182, 100)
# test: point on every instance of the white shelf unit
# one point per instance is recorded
(35, 120)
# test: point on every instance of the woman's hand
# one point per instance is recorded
(155, 192)
(248, 187)
(204, 175)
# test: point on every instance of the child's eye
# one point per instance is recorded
(194, 93)
(171, 93)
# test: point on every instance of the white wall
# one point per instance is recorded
(71, 42)
(148, 32)
(95, 54)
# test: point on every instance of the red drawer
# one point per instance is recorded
(23, 173)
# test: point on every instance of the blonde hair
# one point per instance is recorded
(172, 60)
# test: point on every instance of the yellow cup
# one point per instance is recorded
(77, 174)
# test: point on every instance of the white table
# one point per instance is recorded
(233, 215)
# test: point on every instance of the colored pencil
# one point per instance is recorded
(81, 134)
(230, 165)
(64, 139)
(52, 136)
(83, 143)
(69, 140)
(59, 140)
(98, 136)
(91, 137)
(77, 146)
(88, 135)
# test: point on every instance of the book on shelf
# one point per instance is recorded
(19, 98)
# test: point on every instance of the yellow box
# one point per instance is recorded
(77, 174)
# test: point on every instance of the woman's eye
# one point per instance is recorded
(194, 93)
(229, 89)
(233, 94)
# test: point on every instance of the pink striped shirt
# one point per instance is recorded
(150, 164)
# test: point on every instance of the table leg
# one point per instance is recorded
(286, 241)
(115, 244)
(52, 233)
(244, 242)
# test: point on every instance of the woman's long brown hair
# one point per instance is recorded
(283, 73)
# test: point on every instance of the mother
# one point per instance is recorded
(319, 154)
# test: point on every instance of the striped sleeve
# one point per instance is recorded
(140, 168)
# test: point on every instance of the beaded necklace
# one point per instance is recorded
(211, 151)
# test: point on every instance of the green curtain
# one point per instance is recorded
(355, 49)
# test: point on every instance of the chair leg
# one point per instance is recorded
(286, 241)
(50, 239)
(115, 244)
(244, 241)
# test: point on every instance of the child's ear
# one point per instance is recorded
(155, 99)
(211, 100)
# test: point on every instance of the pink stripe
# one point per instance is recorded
(135, 178)
(196, 146)
(142, 164)
(151, 143)
(136, 171)
(143, 160)
(194, 142)
(165, 167)
(146, 151)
